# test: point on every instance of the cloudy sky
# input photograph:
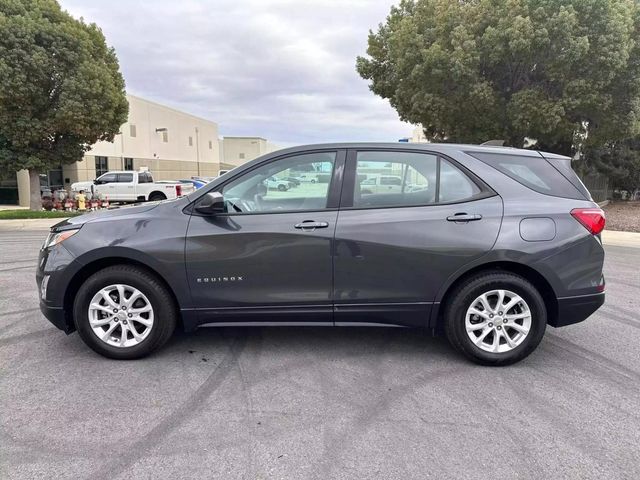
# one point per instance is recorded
(281, 69)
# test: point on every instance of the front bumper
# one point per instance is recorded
(56, 315)
(576, 309)
(56, 267)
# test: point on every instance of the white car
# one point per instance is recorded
(129, 186)
(274, 183)
(382, 184)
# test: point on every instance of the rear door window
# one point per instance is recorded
(532, 172)
(455, 186)
(402, 179)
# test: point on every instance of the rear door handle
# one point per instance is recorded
(464, 217)
(311, 225)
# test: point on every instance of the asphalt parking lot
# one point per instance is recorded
(320, 403)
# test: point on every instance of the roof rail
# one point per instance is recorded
(494, 143)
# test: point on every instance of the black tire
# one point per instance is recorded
(282, 188)
(462, 298)
(164, 308)
(155, 196)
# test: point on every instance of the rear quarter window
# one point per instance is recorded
(532, 172)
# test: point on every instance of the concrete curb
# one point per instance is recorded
(621, 239)
(28, 224)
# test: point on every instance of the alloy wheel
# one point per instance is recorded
(498, 321)
(121, 315)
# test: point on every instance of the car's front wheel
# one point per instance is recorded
(124, 312)
(495, 318)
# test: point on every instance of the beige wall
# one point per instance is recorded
(148, 116)
(170, 160)
(417, 135)
(238, 150)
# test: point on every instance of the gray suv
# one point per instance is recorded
(487, 244)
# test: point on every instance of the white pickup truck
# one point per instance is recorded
(129, 186)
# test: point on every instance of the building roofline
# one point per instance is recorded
(162, 105)
(243, 137)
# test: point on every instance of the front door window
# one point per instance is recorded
(294, 183)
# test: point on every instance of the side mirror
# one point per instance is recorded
(96, 182)
(211, 203)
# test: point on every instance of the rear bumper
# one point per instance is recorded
(576, 309)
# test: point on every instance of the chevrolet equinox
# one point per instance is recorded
(488, 244)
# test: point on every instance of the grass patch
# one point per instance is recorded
(23, 214)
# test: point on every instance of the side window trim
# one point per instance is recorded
(438, 163)
(349, 179)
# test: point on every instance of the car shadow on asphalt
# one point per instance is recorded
(332, 342)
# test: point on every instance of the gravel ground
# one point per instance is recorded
(623, 216)
(317, 403)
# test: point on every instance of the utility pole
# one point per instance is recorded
(198, 150)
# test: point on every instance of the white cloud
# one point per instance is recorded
(281, 69)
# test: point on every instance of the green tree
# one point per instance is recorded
(562, 72)
(619, 161)
(60, 88)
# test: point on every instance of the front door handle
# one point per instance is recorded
(464, 217)
(311, 225)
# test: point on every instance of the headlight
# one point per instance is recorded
(55, 238)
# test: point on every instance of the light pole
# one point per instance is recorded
(121, 149)
(198, 151)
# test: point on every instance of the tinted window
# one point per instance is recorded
(108, 178)
(266, 189)
(533, 172)
(395, 179)
(145, 177)
(455, 185)
(125, 177)
(563, 165)
(389, 179)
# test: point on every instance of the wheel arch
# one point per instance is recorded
(532, 275)
(96, 265)
(157, 192)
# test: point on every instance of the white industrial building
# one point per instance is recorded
(172, 144)
(235, 151)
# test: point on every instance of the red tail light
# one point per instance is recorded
(178, 190)
(591, 218)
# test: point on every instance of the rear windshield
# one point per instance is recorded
(536, 173)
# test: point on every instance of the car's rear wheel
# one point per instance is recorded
(124, 312)
(282, 188)
(495, 318)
